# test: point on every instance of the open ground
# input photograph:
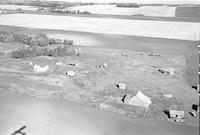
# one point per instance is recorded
(134, 52)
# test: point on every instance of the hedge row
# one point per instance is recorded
(43, 51)
(69, 11)
(37, 40)
(128, 5)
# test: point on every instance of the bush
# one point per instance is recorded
(19, 10)
(60, 51)
(68, 42)
(22, 38)
(41, 40)
(85, 12)
(52, 41)
(71, 42)
(24, 53)
(58, 41)
(6, 37)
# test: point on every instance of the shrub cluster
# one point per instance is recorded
(128, 5)
(43, 51)
(37, 40)
(58, 10)
(42, 40)
(39, 3)
(6, 37)
(22, 38)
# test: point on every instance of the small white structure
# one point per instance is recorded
(124, 54)
(104, 106)
(59, 63)
(104, 65)
(193, 113)
(70, 73)
(168, 95)
(121, 86)
(37, 68)
(138, 100)
(167, 71)
(176, 115)
(74, 65)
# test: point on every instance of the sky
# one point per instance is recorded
(137, 1)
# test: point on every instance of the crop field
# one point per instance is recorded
(14, 7)
(159, 29)
(159, 11)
